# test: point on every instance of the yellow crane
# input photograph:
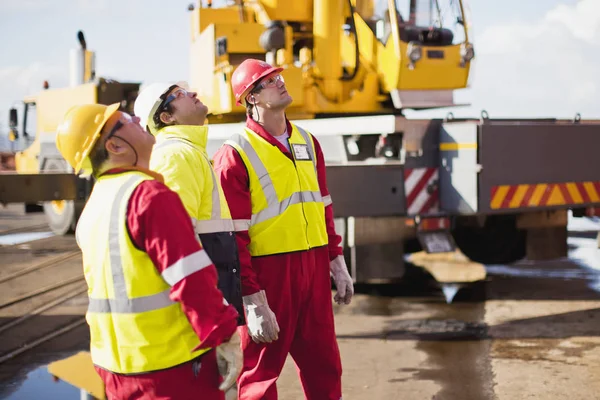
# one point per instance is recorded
(341, 57)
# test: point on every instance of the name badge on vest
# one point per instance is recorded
(301, 152)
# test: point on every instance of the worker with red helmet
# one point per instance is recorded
(159, 326)
(273, 176)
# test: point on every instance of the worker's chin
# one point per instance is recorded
(202, 113)
(287, 100)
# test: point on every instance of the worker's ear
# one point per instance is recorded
(115, 146)
(166, 118)
(250, 99)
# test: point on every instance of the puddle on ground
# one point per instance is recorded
(23, 237)
(583, 263)
(39, 384)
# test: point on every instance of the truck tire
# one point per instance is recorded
(498, 241)
(61, 215)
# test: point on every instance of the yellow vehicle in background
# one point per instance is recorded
(352, 68)
(42, 175)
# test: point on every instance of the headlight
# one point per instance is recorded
(467, 53)
(414, 54)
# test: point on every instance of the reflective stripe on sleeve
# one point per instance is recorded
(186, 266)
(240, 225)
(213, 225)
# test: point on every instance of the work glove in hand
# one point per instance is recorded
(229, 361)
(261, 321)
(342, 280)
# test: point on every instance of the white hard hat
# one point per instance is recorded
(149, 99)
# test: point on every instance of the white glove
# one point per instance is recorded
(261, 321)
(342, 280)
(229, 361)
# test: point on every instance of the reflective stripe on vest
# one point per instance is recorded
(287, 209)
(215, 223)
(122, 304)
(134, 325)
(326, 199)
(275, 207)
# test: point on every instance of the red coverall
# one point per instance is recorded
(159, 225)
(298, 290)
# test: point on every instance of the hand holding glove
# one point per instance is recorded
(342, 280)
(261, 321)
(229, 361)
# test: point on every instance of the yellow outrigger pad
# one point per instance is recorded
(78, 370)
(451, 267)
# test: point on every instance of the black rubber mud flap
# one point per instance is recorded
(498, 241)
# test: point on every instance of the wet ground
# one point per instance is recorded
(530, 331)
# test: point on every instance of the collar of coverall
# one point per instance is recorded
(120, 170)
(196, 134)
(258, 129)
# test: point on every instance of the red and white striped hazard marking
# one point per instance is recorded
(421, 189)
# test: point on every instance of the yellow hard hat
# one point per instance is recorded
(79, 131)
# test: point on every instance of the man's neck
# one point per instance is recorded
(107, 166)
(273, 122)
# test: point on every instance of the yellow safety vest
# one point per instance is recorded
(179, 155)
(134, 326)
(288, 211)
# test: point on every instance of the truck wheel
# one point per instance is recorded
(498, 241)
(61, 215)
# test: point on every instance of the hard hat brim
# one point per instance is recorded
(241, 100)
(110, 110)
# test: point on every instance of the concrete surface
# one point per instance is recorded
(530, 331)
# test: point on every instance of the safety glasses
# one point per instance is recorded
(175, 94)
(119, 124)
(270, 82)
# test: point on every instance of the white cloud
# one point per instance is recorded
(539, 68)
(583, 20)
(92, 6)
(23, 5)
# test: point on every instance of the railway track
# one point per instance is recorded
(41, 340)
(27, 317)
(22, 229)
(38, 311)
(39, 266)
(42, 290)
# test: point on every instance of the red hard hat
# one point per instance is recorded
(247, 74)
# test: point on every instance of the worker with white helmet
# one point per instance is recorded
(176, 117)
(273, 175)
(154, 311)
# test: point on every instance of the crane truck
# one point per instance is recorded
(496, 189)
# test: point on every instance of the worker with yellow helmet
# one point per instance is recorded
(159, 326)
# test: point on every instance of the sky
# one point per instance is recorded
(533, 58)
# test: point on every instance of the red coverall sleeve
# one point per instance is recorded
(230, 169)
(335, 240)
(159, 225)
